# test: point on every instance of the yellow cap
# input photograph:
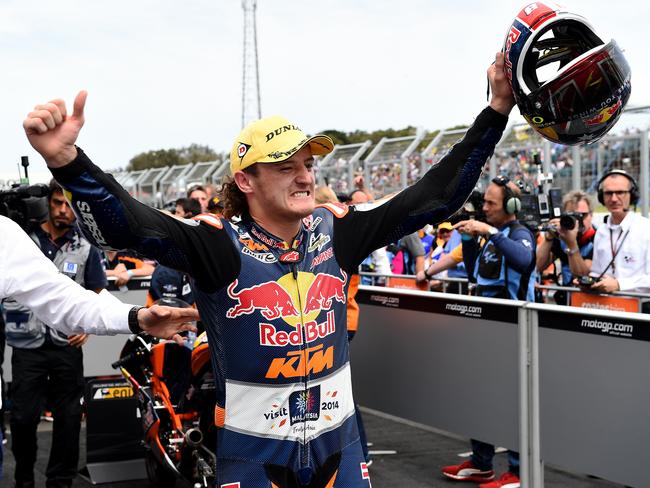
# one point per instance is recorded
(273, 140)
(445, 225)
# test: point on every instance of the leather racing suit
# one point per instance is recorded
(275, 312)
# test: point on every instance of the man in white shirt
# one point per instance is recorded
(621, 258)
(34, 281)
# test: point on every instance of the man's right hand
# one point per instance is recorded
(53, 133)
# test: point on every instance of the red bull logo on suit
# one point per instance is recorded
(283, 298)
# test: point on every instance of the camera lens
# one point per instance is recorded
(567, 222)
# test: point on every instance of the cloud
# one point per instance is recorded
(166, 74)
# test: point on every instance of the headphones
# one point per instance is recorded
(634, 191)
(511, 203)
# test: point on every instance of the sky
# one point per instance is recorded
(164, 74)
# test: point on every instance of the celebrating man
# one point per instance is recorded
(272, 289)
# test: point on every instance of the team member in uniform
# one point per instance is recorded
(504, 267)
(622, 245)
(272, 288)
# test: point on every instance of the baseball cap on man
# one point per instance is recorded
(273, 140)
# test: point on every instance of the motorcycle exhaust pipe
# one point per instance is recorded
(194, 437)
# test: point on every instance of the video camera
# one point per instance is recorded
(23, 203)
(472, 209)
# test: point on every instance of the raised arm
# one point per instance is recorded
(440, 192)
(111, 218)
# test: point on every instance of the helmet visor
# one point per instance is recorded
(586, 98)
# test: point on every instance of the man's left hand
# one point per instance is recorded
(607, 285)
(166, 322)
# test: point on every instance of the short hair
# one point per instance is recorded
(53, 188)
(575, 197)
(189, 205)
(194, 188)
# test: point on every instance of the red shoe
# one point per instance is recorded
(467, 472)
(507, 480)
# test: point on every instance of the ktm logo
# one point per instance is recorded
(254, 246)
(301, 363)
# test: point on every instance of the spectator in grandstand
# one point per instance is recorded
(126, 264)
(503, 268)
(198, 192)
(186, 208)
(573, 247)
(360, 194)
(621, 258)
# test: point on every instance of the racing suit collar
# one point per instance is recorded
(271, 240)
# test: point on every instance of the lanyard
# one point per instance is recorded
(615, 247)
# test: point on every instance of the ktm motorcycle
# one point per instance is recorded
(174, 387)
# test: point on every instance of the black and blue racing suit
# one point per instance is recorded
(275, 312)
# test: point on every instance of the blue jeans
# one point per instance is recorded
(483, 453)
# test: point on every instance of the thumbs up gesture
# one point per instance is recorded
(53, 132)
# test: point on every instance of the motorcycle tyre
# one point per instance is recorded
(158, 476)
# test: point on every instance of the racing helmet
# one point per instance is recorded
(569, 84)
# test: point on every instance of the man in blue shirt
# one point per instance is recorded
(504, 267)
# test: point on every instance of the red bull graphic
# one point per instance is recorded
(604, 115)
(270, 336)
(270, 298)
(323, 290)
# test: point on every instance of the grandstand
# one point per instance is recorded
(394, 163)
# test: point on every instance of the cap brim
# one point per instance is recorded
(320, 145)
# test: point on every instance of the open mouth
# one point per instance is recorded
(301, 194)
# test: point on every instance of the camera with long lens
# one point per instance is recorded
(569, 220)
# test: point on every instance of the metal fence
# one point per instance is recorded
(394, 163)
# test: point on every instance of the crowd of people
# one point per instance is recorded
(273, 277)
(493, 255)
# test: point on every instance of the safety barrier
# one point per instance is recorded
(560, 384)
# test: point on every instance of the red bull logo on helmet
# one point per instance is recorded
(604, 115)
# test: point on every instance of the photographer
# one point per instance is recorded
(503, 268)
(570, 239)
(622, 245)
